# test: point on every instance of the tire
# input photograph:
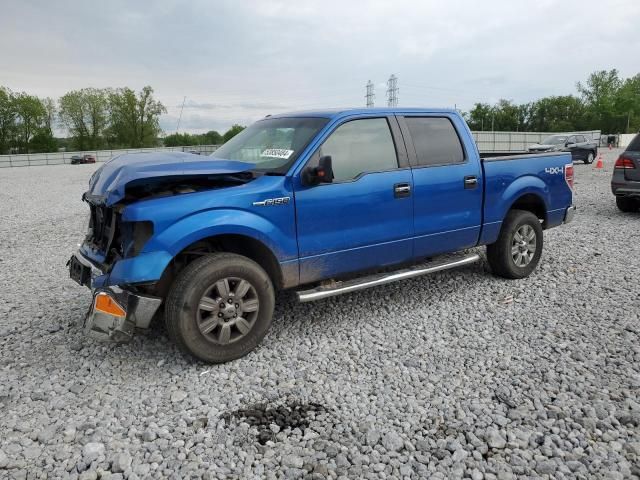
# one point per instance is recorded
(499, 254)
(590, 157)
(194, 319)
(626, 204)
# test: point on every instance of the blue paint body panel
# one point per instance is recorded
(331, 229)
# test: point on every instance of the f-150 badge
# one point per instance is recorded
(272, 201)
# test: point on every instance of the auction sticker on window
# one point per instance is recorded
(277, 153)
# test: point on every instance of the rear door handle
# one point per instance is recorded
(401, 190)
(470, 181)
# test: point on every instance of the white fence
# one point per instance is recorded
(517, 141)
(486, 141)
(59, 158)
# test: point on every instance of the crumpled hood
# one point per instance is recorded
(107, 184)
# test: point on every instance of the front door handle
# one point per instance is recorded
(401, 190)
(470, 181)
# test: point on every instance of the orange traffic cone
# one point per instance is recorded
(599, 163)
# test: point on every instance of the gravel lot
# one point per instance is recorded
(455, 375)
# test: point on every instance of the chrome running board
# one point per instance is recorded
(348, 286)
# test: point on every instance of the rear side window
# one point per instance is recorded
(360, 146)
(634, 146)
(436, 140)
(580, 139)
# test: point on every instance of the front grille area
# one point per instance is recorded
(103, 225)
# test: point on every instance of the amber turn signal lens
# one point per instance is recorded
(104, 303)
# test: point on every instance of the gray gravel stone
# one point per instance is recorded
(92, 451)
(495, 439)
(120, 462)
(392, 441)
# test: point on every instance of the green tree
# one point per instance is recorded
(232, 132)
(135, 119)
(7, 119)
(179, 140)
(600, 93)
(85, 114)
(30, 116)
(211, 138)
(628, 103)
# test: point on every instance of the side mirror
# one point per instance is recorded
(323, 173)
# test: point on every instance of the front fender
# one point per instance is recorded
(199, 226)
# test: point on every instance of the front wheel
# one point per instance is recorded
(517, 251)
(589, 159)
(220, 307)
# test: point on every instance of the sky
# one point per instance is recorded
(237, 61)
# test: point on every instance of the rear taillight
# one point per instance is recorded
(625, 163)
(568, 174)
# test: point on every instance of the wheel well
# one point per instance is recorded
(532, 203)
(240, 244)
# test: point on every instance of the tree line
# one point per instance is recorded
(210, 138)
(94, 118)
(604, 102)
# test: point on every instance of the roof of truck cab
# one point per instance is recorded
(333, 113)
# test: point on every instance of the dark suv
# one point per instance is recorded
(582, 148)
(625, 183)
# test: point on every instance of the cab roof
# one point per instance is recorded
(333, 113)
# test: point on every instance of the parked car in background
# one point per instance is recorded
(625, 183)
(326, 202)
(82, 159)
(582, 147)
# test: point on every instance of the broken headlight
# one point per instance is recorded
(134, 236)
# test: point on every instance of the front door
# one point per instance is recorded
(363, 219)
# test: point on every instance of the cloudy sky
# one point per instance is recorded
(236, 61)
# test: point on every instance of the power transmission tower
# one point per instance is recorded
(370, 95)
(392, 91)
(180, 117)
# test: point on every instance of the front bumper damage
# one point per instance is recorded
(127, 310)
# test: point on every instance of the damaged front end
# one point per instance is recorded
(112, 261)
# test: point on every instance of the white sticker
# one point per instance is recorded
(277, 153)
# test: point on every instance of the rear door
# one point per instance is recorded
(448, 183)
(364, 218)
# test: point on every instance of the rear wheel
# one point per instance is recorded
(626, 204)
(220, 307)
(517, 251)
(589, 159)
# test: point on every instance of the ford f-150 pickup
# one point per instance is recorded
(324, 202)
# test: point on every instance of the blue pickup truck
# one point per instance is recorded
(323, 202)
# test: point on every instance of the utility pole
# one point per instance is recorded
(392, 91)
(180, 118)
(370, 95)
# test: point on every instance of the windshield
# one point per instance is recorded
(271, 144)
(554, 140)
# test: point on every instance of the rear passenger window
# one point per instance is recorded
(360, 146)
(580, 139)
(436, 140)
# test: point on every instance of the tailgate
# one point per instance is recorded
(632, 174)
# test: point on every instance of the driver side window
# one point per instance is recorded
(360, 146)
